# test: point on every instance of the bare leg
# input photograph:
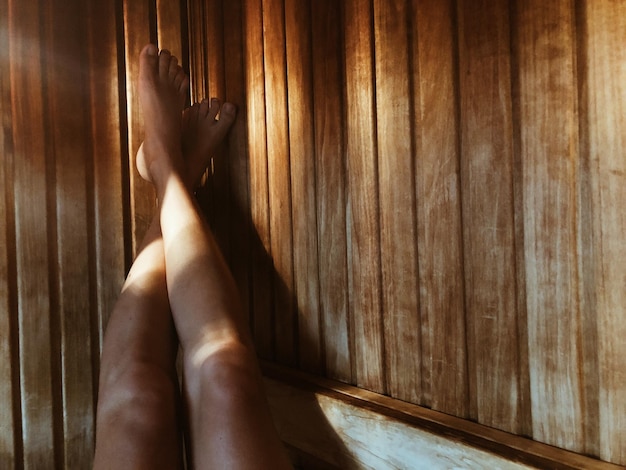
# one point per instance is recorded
(139, 423)
(229, 418)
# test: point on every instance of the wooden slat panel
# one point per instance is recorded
(169, 27)
(605, 69)
(363, 205)
(397, 201)
(496, 392)
(197, 62)
(444, 356)
(200, 32)
(259, 206)
(237, 155)
(109, 151)
(587, 265)
(219, 181)
(331, 183)
(32, 237)
(278, 165)
(303, 190)
(68, 118)
(349, 436)
(549, 137)
(10, 419)
(323, 434)
(213, 45)
(139, 30)
(542, 219)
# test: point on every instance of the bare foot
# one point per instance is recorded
(162, 89)
(202, 134)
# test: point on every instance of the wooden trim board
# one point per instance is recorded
(348, 427)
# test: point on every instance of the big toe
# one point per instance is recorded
(148, 60)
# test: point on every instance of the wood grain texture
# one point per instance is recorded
(169, 17)
(470, 150)
(496, 392)
(32, 236)
(109, 150)
(10, 423)
(220, 178)
(139, 30)
(279, 179)
(437, 186)
(323, 435)
(298, 37)
(203, 17)
(259, 191)
(605, 108)
(197, 56)
(363, 204)
(237, 155)
(330, 180)
(549, 150)
(67, 117)
(349, 436)
(397, 203)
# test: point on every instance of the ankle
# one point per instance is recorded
(163, 161)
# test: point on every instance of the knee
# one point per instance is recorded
(230, 375)
(142, 397)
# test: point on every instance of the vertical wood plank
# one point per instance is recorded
(331, 186)
(549, 150)
(605, 109)
(213, 45)
(278, 165)
(67, 98)
(496, 367)
(220, 178)
(259, 191)
(397, 201)
(109, 154)
(363, 204)
(201, 32)
(10, 420)
(239, 201)
(439, 230)
(32, 237)
(197, 65)
(303, 190)
(169, 27)
(139, 30)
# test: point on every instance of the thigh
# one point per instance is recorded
(138, 423)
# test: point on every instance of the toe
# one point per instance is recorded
(214, 108)
(228, 113)
(190, 118)
(178, 76)
(174, 68)
(184, 86)
(187, 116)
(203, 109)
(227, 117)
(164, 63)
(148, 59)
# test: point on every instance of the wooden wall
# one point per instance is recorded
(422, 198)
(63, 221)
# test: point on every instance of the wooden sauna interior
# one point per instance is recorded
(422, 202)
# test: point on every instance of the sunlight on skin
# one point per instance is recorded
(202, 354)
(141, 270)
